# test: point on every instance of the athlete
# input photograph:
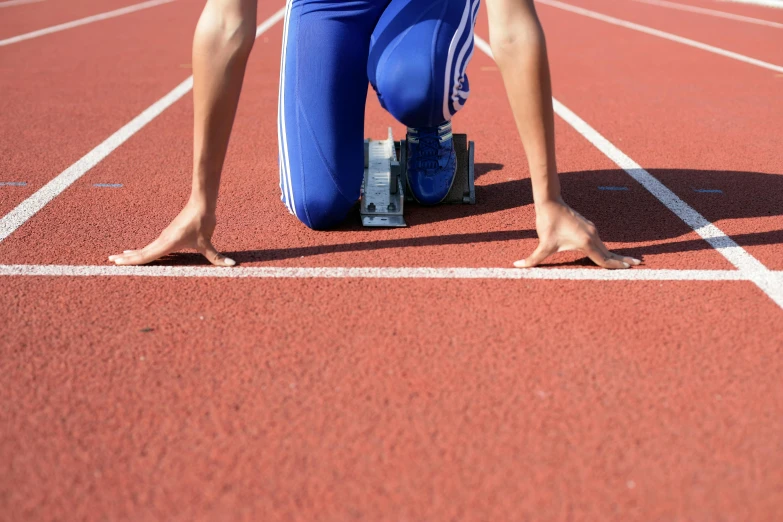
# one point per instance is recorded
(414, 54)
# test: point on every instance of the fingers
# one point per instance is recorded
(632, 261)
(625, 261)
(602, 257)
(597, 252)
(536, 258)
(160, 248)
(126, 258)
(148, 254)
(216, 258)
(124, 252)
(137, 257)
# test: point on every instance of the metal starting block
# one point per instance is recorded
(385, 186)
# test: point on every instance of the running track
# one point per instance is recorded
(396, 374)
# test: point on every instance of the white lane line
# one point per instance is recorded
(11, 3)
(751, 267)
(736, 255)
(564, 274)
(771, 284)
(711, 12)
(764, 3)
(83, 21)
(661, 34)
(29, 207)
(483, 46)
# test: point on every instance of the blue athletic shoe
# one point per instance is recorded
(432, 163)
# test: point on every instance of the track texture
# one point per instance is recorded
(345, 399)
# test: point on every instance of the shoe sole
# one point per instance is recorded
(453, 178)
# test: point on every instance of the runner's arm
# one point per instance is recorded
(221, 46)
(519, 49)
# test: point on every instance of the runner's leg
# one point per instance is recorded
(323, 90)
(418, 57)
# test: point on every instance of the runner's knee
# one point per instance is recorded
(418, 59)
(322, 212)
(319, 205)
(406, 88)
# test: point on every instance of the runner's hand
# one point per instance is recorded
(561, 228)
(192, 228)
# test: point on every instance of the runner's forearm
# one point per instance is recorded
(221, 46)
(519, 48)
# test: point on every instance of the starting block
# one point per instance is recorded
(385, 186)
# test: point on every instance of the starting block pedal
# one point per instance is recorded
(385, 185)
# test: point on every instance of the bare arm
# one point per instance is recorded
(519, 48)
(221, 46)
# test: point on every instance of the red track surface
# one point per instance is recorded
(728, 6)
(758, 41)
(306, 399)
(26, 18)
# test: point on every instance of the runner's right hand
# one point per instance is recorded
(191, 229)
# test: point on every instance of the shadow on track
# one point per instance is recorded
(622, 216)
(634, 215)
(246, 256)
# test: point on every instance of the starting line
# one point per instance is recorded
(263, 272)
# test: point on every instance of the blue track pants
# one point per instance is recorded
(413, 52)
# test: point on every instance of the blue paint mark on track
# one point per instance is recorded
(13, 183)
(108, 185)
(708, 191)
(613, 188)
